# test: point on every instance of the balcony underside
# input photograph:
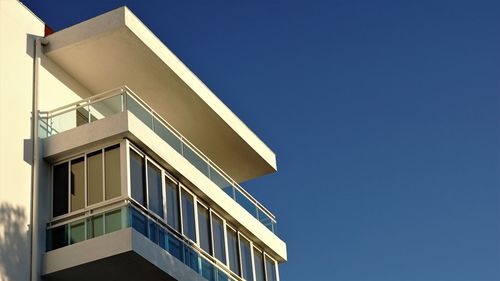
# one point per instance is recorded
(116, 49)
(122, 255)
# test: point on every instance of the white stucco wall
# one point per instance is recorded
(18, 29)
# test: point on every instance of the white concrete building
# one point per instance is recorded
(130, 167)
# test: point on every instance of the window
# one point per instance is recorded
(204, 228)
(188, 226)
(270, 270)
(246, 259)
(154, 189)
(172, 204)
(232, 250)
(77, 184)
(112, 169)
(60, 190)
(258, 260)
(137, 177)
(218, 237)
(94, 177)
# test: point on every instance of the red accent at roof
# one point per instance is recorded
(48, 30)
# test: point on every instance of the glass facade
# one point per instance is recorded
(137, 179)
(96, 177)
(188, 223)
(172, 204)
(155, 192)
(204, 228)
(218, 238)
(77, 184)
(232, 250)
(60, 190)
(246, 259)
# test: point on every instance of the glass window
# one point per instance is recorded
(112, 170)
(174, 246)
(172, 204)
(154, 189)
(60, 190)
(270, 270)
(204, 228)
(94, 177)
(232, 250)
(188, 227)
(246, 259)
(218, 236)
(137, 184)
(259, 265)
(77, 184)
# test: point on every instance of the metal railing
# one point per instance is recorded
(130, 215)
(123, 99)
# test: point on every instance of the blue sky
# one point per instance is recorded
(384, 116)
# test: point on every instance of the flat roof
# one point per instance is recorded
(116, 49)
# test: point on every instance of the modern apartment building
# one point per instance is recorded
(118, 163)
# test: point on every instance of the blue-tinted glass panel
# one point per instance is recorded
(270, 270)
(153, 231)
(218, 233)
(207, 270)
(221, 182)
(246, 203)
(154, 190)
(259, 266)
(188, 226)
(204, 228)
(139, 222)
(221, 276)
(246, 259)
(60, 190)
(162, 238)
(168, 136)
(232, 250)
(137, 180)
(172, 204)
(175, 247)
(191, 259)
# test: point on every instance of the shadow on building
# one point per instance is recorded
(14, 250)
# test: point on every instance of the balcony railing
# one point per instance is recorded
(123, 99)
(134, 216)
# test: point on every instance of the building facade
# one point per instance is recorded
(129, 168)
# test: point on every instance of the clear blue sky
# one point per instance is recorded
(384, 116)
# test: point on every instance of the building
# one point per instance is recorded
(130, 167)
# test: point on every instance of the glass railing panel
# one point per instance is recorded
(267, 221)
(62, 122)
(195, 159)
(167, 135)
(246, 203)
(208, 270)
(221, 182)
(77, 232)
(139, 111)
(106, 107)
(57, 237)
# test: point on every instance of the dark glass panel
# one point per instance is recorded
(60, 190)
(137, 183)
(188, 226)
(154, 190)
(204, 228)
(172, 204)
(218, 236)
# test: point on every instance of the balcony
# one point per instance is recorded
(113, 102)
(177, 257)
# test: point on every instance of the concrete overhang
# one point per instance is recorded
(121, 255)
(116, 49)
